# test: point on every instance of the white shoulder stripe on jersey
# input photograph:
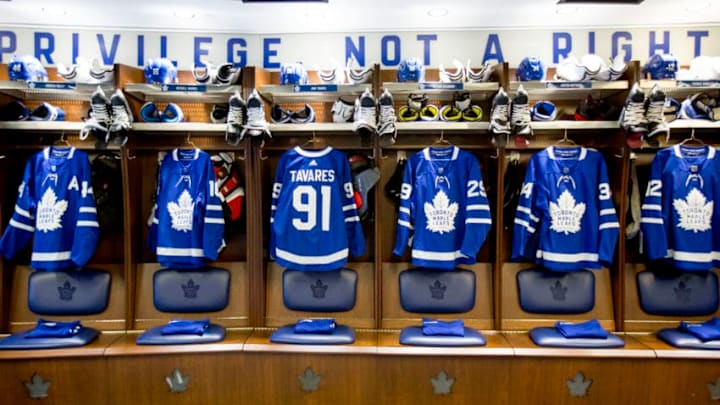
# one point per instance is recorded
(607, 211)
(609, 225)
(406, 224)
(478, 207)
(301, 259)
(168, 251)
(527, 211)
(352, 219)
(88, 210)
(567, 257)
(50, 256)
(219, 221)
(22, 226)
(92, 224)
(645, 220)
(24, 213)
(525, 224)
(652, 207)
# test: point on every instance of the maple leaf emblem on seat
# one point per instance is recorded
(181, 213)
(440, 215)
(566, 214)
(695, 211)
(50, 212)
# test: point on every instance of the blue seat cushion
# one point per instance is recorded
(343, 335)
(678, 293)
(551, 337)
(413, 336)
(188, 291)
(549, 292)
(678, 338)
(154, 336)
(319, 291)
(17, 341)
(75, 292)
(437, 291)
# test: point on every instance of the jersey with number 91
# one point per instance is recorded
(313, 220)
(565, 218)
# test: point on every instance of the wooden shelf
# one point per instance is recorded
(52, 91)
(312, 92)
(557, 90)
(186, 92)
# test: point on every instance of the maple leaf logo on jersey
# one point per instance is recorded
(566, 214)
(50, 212)
(695, 211)
(440, 215)
(181, 213)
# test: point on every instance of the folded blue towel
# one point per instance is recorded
(432, 327)
(315, 326)
(185, 327)
(708, 330)
(45, 329)
(589, 329)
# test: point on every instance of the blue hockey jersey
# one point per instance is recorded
(55, 207)
(313, 219)
(187, 224)
(679, 221)
(565, 219)
(443, 208)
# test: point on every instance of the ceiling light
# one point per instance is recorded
(437, 12)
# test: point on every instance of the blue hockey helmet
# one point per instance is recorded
(160, 71)
(411, 70)
(661, 66)
(293, 73)
(530, 68)
(26, 68)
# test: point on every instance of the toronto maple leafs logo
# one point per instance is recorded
(558, 291)
(181, 213)
(66, 291)
(695, 211)
(566, 214)
(437, 290)
(683, 293)
(190, 289)
(440, 215)
(318, 289)
(50, 212)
